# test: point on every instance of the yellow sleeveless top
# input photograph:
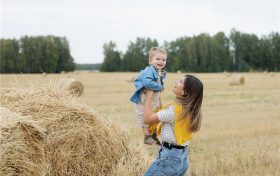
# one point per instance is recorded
(181, 125)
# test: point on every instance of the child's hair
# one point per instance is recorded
(192, 100)
(155, 50)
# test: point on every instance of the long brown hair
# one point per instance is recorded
(192, 100)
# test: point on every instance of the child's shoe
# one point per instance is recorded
(148, 139)
(154, 136)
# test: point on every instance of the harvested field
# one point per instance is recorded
(240, 128)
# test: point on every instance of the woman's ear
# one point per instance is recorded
(183, 93)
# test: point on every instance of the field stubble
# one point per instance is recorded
(241, 124)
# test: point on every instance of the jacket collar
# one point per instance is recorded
(154, 71)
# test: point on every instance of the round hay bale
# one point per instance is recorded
(77, 142)
(271, 74)
(227, 74)
(21, 145)
(72, 85)
(236, 80)
(44, 74)
(130, 78)
(179, 71)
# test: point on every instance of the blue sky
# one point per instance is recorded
(88, 24)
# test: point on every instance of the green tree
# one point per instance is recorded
(112, 60)
(274, 65)
(137, 54)
(9, 55)
(222, 52)
(65, 61)
(239, 52)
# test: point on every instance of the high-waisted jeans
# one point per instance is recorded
(169, 162)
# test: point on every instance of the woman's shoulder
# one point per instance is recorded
(168, 107)
(167, 114)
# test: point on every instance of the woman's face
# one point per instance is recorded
(178, 89)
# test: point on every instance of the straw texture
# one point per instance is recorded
(49, 133)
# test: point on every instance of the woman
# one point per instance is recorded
(180, 119)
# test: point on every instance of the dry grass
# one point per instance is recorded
(241, 124)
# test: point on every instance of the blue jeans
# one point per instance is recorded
(169, 162)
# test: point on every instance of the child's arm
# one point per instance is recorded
(149, 115)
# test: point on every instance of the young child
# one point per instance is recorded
(150, 78)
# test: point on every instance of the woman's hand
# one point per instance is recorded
(149, 116)
(160, 101)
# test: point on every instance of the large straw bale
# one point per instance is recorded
(72, 85)
(21, 145)
(236, 80)
(78, 141)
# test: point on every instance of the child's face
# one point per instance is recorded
(158, 61)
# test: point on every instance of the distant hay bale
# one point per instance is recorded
(73, 139)
(179, 71)
(227, 74)
(236, 80)
(265, 72)
(63, 72)
(72, 85)
(271, 74)
(21, 145)
(44, 74)
(130, 78)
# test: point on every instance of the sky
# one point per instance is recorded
(89, 24)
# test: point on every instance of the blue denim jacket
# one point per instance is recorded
(147, 79)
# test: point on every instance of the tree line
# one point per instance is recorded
(88, 66)
(201, 53)
(49, 54)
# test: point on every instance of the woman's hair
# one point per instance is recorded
(192, 100)
(155, 50)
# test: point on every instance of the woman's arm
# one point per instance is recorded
(149, 116)
(160, 101)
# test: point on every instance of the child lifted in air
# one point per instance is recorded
(150, 78)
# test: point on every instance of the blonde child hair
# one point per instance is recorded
(155, 50)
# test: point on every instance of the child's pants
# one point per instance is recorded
(139, 108)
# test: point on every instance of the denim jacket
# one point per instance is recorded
(147, 79)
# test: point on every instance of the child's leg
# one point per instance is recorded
(148, 139)
(146, 129)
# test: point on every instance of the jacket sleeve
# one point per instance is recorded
(149, 83)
